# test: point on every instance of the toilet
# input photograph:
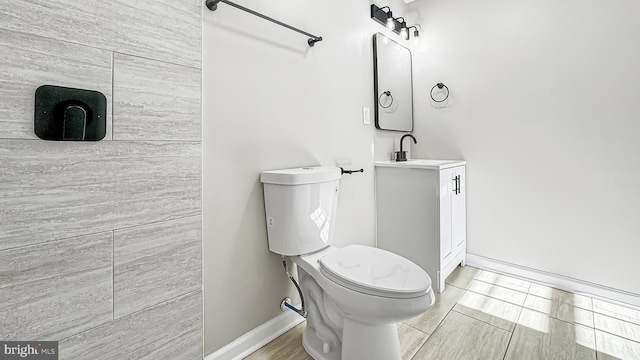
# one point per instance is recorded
(354, 296)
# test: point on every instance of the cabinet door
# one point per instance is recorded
(446, 192)
(459, 211)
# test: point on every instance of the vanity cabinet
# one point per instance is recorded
(421, 214)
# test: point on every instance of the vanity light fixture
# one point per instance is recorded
(416, 33)
(389, 17)
(384, 16)
(403, 28)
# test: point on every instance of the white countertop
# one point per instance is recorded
(422, 164)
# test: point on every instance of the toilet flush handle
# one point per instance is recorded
(349, 172)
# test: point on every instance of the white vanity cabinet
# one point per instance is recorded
(421, 214)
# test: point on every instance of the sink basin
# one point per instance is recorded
(422, 163)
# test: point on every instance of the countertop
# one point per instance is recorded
(422, 164)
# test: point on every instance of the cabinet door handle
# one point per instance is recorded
(455, 185)
(458, 184)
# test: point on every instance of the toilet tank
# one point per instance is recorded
(300, 207)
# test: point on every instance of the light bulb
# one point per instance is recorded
(416, 37)
(391, 23)
(404, 33)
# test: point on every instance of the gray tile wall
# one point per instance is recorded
(100, 242)
(155, 100)
(167, 30)
(171, 330)
(149, 265)
(54, 290)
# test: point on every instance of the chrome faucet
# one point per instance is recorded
(402, 155)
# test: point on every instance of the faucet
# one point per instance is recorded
(402, 155)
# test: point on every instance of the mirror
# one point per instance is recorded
(392, 85)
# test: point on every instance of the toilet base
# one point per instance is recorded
(360, 342)
(370, 342)
(313, 345)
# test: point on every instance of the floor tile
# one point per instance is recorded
(538, 336)
(617, 327)
(504, 281)
(461, 337)
(622, 312)
(560, 296)
(462, 276)
(551, 324)
(498, 292)
(286, 346)
(495, 312)
(411, 340)
(612, 347)
(428, 321)
(560, 310)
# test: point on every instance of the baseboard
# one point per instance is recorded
(553, 280)
(257, 338)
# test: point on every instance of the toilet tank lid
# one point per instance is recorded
(303, 175)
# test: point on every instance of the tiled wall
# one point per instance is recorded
(100, 242)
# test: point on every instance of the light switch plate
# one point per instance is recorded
(366, 116)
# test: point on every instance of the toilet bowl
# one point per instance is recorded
(355, 295)
(360, 293)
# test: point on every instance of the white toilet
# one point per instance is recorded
(355, 295)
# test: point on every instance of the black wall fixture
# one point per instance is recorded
(68, 114)
(213, 6)
(385, 18)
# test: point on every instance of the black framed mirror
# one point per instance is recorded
(392, 85)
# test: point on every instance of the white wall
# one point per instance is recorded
(272, 102)
(544, 107)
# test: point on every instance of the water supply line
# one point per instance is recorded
(303, 311)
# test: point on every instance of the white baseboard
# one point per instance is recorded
(553, 280)
(257, 338)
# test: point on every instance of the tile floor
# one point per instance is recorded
(483, 315)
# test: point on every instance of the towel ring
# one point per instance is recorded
(439, 86)
(388, 93)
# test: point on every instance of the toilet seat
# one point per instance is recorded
(375, 271)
